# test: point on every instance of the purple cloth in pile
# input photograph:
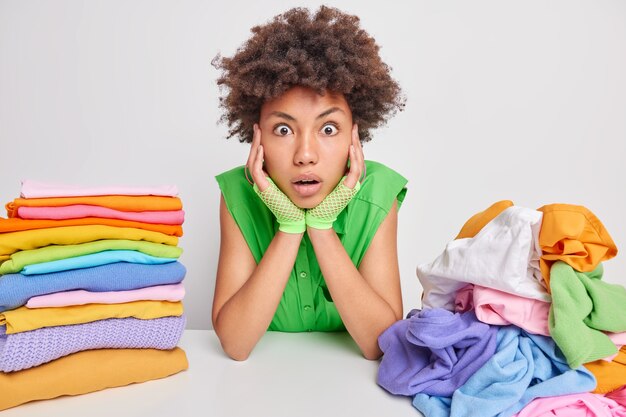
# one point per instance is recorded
(434, 351)
(28, 349)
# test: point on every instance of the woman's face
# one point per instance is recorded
(306, 138)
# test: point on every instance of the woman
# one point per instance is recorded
(308, 228)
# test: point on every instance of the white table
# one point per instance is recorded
(295, 375)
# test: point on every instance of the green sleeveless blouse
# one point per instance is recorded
(306, 304)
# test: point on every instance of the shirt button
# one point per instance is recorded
(302, 274)
(307, 308)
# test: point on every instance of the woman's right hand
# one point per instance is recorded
(255, 161)
(290, 217)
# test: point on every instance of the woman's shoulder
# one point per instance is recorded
(383, 172)
(382, 185)
(235, 187)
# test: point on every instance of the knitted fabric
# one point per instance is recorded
(325, 213)
(28, 349)
(290, 217)
(16, 289)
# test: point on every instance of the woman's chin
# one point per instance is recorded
(307, 202)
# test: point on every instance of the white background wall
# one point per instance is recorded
(520, 100)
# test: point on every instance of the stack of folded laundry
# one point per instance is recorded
(90, 290)
(516, 320)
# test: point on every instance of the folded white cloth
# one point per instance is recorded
(504, 255)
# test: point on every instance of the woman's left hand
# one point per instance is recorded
(357, 160)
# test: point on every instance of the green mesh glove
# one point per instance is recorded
(289, 216)
(325, 213)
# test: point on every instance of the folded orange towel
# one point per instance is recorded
(15, 225)
(116, 202)
(89, 371)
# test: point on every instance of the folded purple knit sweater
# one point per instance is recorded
(433, 351)
(28, 349)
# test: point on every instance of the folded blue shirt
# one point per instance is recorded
(94, 259)
(16, 289)
(434, 351)
(524, 367)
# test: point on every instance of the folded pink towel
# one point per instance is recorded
(172, 292)
(36, 189)
(77, 211)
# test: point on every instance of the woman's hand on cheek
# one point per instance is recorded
(324, 215)
(290, 218)
(255, 161)
(357, 161)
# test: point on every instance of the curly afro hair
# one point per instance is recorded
(325, 51)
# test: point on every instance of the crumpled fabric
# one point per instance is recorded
(574, 235)
(582, 307)
(504, 255)
(524, 367)
(501, 308)
(575, 405)
(433, 351)
(619, 395)
(611, 375)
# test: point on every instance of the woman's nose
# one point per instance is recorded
(306, 149)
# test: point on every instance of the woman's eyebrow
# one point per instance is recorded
(290, 117)
(283, 115)
(329, 111)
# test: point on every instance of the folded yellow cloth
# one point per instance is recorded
(89, 371)
(72, 235)
(23, 319)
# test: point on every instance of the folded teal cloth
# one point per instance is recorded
(16, 289)
(524, 367)
(94, 259)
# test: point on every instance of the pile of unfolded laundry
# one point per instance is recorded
(516, 320)
(90, 290)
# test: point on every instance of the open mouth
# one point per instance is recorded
(306, 187)
(306, 182)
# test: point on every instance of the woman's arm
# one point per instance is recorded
(247, 295)
(368, 299)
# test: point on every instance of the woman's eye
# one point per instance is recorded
(330, 130)
(282, 130)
